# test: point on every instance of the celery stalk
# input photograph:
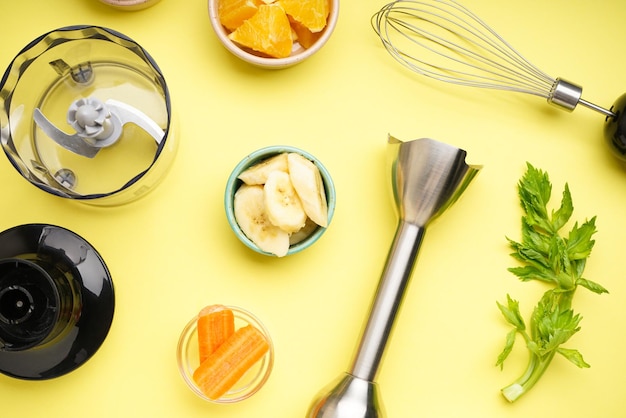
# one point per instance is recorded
(556, 260)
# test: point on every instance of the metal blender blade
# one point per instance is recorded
(427, 178)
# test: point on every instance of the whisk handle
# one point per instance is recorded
(615, 128)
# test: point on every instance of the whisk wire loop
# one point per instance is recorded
(499, 44)
(455, 46)
(444, 40)
(490, 67)
(446, 29)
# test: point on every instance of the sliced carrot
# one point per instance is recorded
(222, 369)
(215, 324)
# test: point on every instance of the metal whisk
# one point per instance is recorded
(444, 40)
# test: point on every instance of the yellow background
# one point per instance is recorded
(172, 252)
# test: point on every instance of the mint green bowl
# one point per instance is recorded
(233, 184)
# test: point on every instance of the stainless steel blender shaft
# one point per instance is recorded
(386, 305)
(427, 177)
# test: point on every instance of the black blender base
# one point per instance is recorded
(56, 301)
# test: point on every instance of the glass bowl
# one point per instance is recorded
(233, 183)
(298, 53)
(187, 356)
(85, 114)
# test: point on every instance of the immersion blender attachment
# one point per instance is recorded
(427, 178)
(444, 40)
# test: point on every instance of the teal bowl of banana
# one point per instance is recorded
(279, 200)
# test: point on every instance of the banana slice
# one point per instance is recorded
(257, 174)
(250, 214)
(307, 181)
(282, 203)
(302, 234)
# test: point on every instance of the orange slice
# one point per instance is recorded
(312, 14)
(305, 37)
(232, 13)
(268, 32)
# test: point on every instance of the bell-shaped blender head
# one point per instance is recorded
(427, 177)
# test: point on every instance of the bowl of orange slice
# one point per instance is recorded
(273, 33)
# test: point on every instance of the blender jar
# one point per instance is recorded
(85, 114)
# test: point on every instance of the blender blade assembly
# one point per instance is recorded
(97, 125)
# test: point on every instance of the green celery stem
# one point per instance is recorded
(536, 367)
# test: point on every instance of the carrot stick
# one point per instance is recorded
(215, 324)
(222, 369)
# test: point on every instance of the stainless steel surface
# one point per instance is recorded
(444, 40)
(348, 397)
(426, 177)
(394, 280)
(565, 94)
(610, 114)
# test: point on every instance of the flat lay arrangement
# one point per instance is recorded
(277, 208)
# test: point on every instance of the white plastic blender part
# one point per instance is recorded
(97, 125)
